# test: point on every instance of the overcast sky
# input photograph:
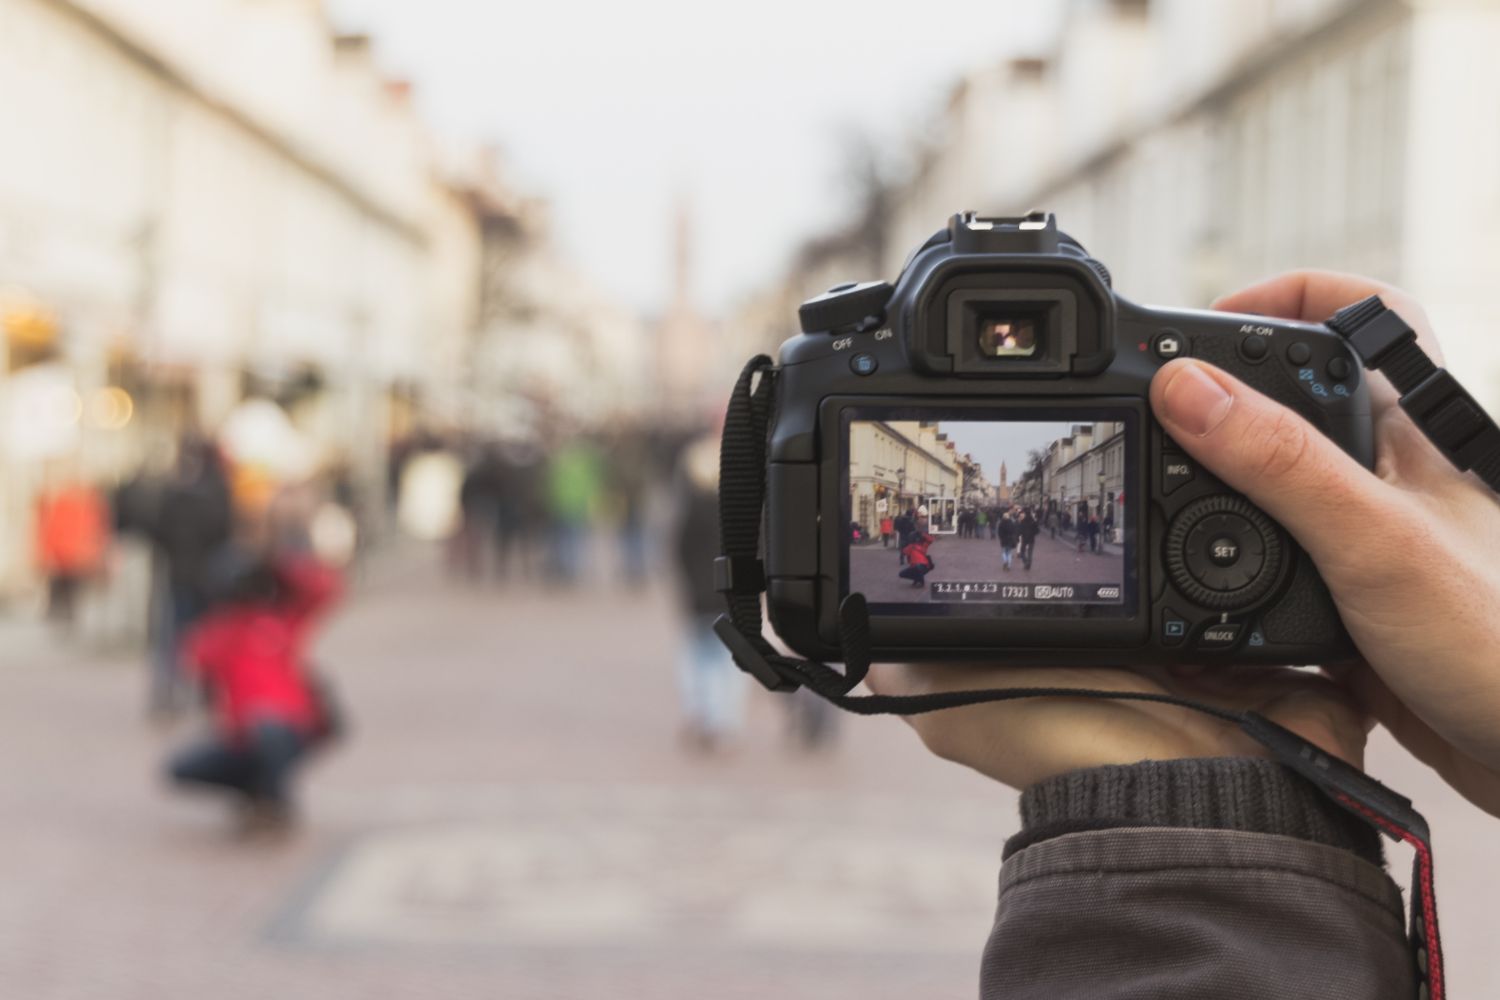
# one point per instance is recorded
(993, 442)
(613, 109)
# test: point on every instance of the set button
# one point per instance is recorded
(1223, 553)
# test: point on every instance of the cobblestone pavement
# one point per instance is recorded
(514, 817)
(873, 568)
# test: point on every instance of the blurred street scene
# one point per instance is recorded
(516, 813)
(357, 492)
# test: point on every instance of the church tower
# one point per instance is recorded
(684, 338)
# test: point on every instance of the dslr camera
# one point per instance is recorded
(972, 450)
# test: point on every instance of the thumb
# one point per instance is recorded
(1284, 465)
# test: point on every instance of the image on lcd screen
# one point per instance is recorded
(987, 512)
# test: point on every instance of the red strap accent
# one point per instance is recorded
(1426, 892)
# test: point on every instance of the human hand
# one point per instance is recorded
(1407, 552)
(1022, 742)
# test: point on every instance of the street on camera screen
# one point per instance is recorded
(987, 512)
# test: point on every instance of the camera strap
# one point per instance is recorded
(740, 575)
(1443, 410)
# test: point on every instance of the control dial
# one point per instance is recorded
(847, 307)
(1223, 553)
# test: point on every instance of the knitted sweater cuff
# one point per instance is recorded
(1249, 794)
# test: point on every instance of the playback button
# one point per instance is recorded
(1174, 628)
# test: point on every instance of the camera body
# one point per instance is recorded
(972, 449)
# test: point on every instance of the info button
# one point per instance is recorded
(1176, 472)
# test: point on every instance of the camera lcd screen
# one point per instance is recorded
(987, 514)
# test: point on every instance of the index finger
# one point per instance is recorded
(1315, 295)
(1308, 295)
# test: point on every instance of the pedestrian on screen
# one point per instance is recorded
(1010, 534)
(1029, 530)
(905, 524)
(887, 529)
(919, 563)
(1093, 531)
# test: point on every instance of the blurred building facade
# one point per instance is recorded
(206, 199)
(1195, 147)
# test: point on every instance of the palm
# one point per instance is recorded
(1022, 742)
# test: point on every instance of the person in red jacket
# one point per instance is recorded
(249, 653)
(918, 562)
(72, 526)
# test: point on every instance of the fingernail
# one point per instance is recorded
(1194, 400)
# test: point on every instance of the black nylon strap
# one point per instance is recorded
(1443, 410)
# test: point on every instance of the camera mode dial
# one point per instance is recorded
(1223, 553)
(843, 308)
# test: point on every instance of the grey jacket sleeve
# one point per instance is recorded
(1229, 878)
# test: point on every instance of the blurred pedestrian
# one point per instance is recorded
(479, 498)
(193, 523)
(712, 687)
(887, 529)
(1093, 533)
(575, 483)
(73, 531)
(522, 516)
(250, 653)
(630, 476)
